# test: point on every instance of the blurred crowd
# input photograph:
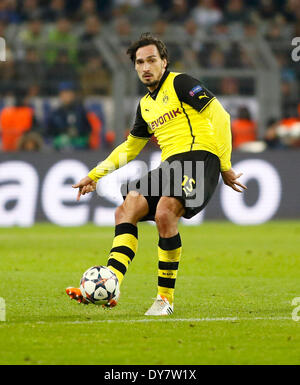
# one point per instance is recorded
(52, 51)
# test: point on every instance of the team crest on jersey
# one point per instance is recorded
(165, 98)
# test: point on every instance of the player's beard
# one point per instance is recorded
(154, 83)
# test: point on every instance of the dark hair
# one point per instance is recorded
(244, 113)
(148, 39)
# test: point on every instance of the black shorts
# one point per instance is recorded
(191, 177)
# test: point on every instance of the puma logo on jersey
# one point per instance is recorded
(203, 96)
(164, 118)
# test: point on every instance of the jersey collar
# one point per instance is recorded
(156, 91)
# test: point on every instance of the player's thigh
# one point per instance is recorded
(135, 201)
(135, 206)
(169, 209)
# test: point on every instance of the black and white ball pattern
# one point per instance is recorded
(99, 285)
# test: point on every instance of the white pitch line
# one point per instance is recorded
(151, 320)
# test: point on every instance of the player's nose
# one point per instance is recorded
(146, 67)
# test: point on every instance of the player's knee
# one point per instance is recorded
(133, 208)
(164, 217)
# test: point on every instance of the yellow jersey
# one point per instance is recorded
(183, 115)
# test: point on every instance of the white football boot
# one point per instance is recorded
(161, 306)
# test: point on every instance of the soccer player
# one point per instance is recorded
(192, 128)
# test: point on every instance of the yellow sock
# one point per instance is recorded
(123, 249)
(169, 253)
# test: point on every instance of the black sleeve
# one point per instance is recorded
(189, 90)
(140, 128)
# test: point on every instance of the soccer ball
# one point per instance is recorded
(99, 285)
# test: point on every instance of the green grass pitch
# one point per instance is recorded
(233, 297)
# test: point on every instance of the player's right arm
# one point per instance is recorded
(121, 155)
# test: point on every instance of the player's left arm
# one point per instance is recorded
(189, 90)
(221, 122)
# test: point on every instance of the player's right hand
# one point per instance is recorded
(85, 186)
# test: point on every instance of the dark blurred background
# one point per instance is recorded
(67, 84)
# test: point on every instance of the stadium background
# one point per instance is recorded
(238, 288)
(69, 94)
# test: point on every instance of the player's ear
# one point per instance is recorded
(165, 63)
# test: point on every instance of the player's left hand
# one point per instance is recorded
(230, 179)
(85, 186)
